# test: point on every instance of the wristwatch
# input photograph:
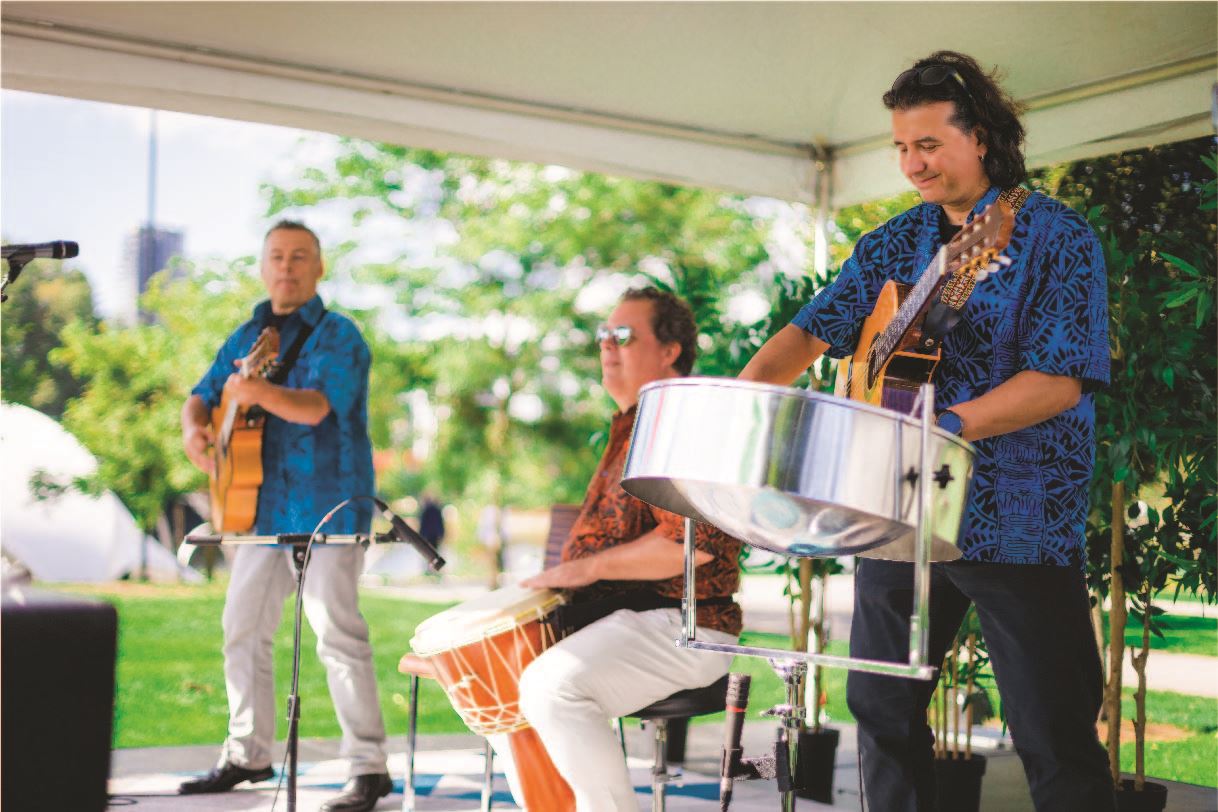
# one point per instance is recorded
(950, 421)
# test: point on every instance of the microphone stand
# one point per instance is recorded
(301, 544)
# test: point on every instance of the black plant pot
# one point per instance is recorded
(817, 756)
(1152, 798)
(958, 783)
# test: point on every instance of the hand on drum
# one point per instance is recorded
(567, 575)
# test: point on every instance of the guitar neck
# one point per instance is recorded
(919, 295)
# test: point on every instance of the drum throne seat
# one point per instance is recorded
(681, 705)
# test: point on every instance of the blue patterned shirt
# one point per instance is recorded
(306, 470)
(1047, 312)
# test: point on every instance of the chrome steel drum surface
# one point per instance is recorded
(795, 472)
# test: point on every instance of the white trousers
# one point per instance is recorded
(262, 579)
(608, 669)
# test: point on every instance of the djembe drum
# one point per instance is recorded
(478, 650)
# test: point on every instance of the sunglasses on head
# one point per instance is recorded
(931, 75)
(623, 334)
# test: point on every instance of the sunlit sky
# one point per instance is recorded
(78, 170)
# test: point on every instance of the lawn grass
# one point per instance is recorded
(1182, 634)
(1193, 760)
(171, 680)
(171, 684)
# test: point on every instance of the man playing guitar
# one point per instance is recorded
(315, 453)
(1015, 380)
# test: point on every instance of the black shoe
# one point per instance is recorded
(223, 778)
(361, 793)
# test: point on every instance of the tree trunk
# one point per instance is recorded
(1139, 696)
(1117, 617)
(1097, 628)
(497, 443)
(800, 643)
(968, 716)
(817, 643)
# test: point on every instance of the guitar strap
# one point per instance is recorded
(289, 360)
(944, 314)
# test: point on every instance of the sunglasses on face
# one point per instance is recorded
(623, 334)
(932, 75)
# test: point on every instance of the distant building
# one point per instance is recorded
(148, 252)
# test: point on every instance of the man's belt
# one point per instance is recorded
(571, 617)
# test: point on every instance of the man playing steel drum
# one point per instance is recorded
(1015, 380)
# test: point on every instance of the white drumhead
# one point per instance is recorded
(483, 616)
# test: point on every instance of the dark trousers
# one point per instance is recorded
(1035, 619)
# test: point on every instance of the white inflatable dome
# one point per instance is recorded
(73, 536)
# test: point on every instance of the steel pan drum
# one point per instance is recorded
(795, 472)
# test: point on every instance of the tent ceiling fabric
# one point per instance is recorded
(749, 97)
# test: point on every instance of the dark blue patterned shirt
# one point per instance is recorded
(1047, 312)
(306, 470)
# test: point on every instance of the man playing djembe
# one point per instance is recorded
(625, 553)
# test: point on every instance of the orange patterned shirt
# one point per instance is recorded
(610, 517)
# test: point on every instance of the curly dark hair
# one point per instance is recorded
(293, 225)
(672, 320)
(981, 106)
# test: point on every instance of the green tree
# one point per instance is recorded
(137, 378)
(43, 300)
(515, 378)
(1156, 458)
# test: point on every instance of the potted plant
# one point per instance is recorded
(959, 702)
(807, 581)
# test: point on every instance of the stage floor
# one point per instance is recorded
(450, 769)
(446, 780)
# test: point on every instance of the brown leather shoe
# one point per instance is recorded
(360, 794)
(223, 778)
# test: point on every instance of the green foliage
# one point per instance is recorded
(505, 317)
(1153, 210)
(137, 379)
(1157, 455)
(43, 300)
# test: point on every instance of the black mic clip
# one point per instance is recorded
(406, 534)
(18, 255)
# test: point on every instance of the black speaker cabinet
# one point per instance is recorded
(57, 703)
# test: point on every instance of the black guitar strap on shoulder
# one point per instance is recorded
(944, 314)
(283, 367)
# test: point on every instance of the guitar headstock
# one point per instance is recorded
(262, 355)
(980, 244)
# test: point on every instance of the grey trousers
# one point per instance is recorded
(262, 578)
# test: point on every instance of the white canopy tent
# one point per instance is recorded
(777, 99)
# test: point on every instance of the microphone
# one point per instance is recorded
(737, 703)
(61, 249)
(405, 533)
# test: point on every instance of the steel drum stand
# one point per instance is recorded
(792, 666)
(299, 542)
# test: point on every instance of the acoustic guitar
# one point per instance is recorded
(238, 448)
(895, 355)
